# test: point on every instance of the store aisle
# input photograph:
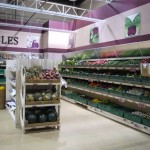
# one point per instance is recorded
(80, 130)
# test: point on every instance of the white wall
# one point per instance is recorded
(44, 40)
(22, 38)
(58, 39)
(114, 28)
(55, 57)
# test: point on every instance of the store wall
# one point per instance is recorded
(55, 57)
(44, 42)
(58, 39)
(15, 40)
(114, 28)
(111, 33)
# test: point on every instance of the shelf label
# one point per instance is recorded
(121, 100)
(145, 127)
(136, 125)
(132, 69)
(141, 105)
(90, 80)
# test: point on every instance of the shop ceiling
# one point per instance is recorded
(68, 2)
(37, 8)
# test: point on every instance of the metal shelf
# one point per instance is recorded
(2, 65)
(2, 83)
(14, 98)
(13, 83)
(111, 96)
(11, 113)
(13, 70)
(108, 81)
(101, 67)
(124, 121)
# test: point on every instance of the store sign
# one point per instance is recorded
(133, 24)
(9, 40)
(94, 35)
(33, 42)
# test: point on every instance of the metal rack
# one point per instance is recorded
(129, 102)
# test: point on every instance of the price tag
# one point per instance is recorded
(141, 105)
(145, 127)
(122, 100)
(90, 80)
(137, 125)
(132, 69)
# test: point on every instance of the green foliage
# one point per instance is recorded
(137, 19)
(128, 22)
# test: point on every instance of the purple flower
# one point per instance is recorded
(35, 44)
(95, 30)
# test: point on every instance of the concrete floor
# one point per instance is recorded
(80, 130)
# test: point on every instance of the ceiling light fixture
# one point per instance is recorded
(33, 27)
(72, 0)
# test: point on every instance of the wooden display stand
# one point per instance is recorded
(29, 85)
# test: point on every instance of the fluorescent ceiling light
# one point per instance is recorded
(32, 27)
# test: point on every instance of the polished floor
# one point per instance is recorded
(80, 130)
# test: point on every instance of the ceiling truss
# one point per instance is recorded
(51, 9)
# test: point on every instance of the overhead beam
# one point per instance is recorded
(50, 13)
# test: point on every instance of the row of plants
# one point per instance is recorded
(105, 62)
(126, 77)
(136, 94)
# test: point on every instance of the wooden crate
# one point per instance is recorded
(45, 124)
(43, 102)
(43, 81)
(2, 99)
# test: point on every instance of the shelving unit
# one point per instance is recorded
(2, 73)
(11, 112)
(101, 67)
(129, 83)
(123, 100)
(11, 90)
(79, 77)
(27, 87)
(124, 121)
(3, 84)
